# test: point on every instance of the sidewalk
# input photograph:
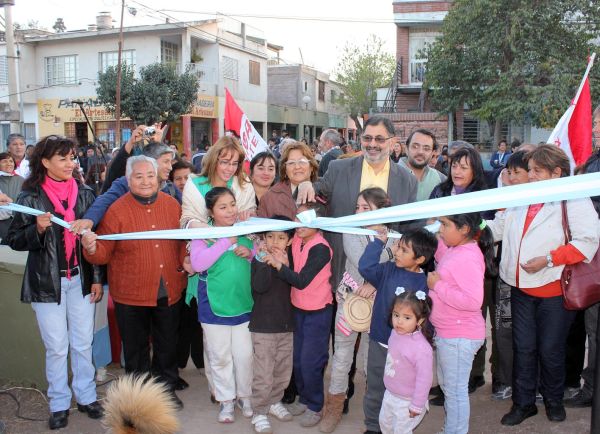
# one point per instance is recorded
(199, 415)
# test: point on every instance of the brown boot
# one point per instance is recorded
(332, 412)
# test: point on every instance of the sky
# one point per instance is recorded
(319, 40)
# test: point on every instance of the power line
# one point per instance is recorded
(295, 18)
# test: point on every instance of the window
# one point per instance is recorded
(254, 72)
(110, 58)
(418, 44)
(230, 68)
(29, 133)
(169, 52)
(321, 90)
(61, 70)
(332, 95)
(3, 71)
(305, 86)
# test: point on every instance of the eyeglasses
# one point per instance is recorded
(380, 140)
(301, 162)
(225, 163)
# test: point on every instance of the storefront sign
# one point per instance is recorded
(205, 107)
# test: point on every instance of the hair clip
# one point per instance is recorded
(482, 225)
(420, 295)
(400, 290)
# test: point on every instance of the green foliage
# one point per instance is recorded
(512, 59)
(158, 94)
(361, 70)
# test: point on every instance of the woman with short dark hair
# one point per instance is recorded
(60, 284)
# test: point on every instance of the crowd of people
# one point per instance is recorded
(262, 313)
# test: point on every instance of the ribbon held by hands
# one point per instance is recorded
(570, 188)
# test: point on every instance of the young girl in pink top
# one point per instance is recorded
(465, 253)
(409, 364)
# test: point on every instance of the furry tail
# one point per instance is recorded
(139, 405)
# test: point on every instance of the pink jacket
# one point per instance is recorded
(457, 297)
(318, 293)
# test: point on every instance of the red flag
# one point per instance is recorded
(237, 121)
(573, 133)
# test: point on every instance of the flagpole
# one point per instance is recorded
(587, 71)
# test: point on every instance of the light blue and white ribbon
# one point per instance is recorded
(570, 188)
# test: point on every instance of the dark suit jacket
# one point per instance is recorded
(340, 187)
(501, 161)
(328, 158)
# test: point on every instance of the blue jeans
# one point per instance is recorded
(454, 361)
(540, 330)
(64, 325)
(311, 352)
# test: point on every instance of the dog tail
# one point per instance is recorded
(139, 405)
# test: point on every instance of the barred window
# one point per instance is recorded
(169, 52)
(3, 71)
(61, 70)
(230, 68)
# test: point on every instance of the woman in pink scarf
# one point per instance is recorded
(60, 284)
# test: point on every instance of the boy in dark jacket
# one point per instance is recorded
(272, 326)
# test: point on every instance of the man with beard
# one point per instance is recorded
(421, 145)
(340, 185)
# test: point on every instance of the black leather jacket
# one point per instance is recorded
(41, 280)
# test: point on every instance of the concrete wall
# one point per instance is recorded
(22, 354)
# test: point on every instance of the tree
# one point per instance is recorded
(361, 70)
(158, 94)
(509, 60)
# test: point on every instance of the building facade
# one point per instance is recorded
(56, 69)
(304, 102)
(418, 24)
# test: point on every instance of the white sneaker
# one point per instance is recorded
(244, 405)
(261, 424)
(226, 413)
(280, 412)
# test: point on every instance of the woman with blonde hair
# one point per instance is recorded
(221, 167)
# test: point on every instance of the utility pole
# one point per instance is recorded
(118, 89)
(11, 58)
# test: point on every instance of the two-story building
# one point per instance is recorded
(304, 102)
(57, 68)
(418, 24)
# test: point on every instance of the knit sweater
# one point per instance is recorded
(386, 277)
(458, 295)
(409, 368)
(135, 267)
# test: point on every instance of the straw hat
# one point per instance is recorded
(357, 312)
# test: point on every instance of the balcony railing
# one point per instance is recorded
(418, 69)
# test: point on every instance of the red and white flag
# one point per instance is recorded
(237, 121)
(573, 132)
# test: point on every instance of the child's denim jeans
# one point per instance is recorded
(454, 361)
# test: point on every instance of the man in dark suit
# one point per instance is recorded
(329, 145)
(340, 185)
(500, 157)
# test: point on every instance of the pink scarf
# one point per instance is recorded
(58, 192)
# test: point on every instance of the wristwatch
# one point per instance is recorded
(549, 262)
